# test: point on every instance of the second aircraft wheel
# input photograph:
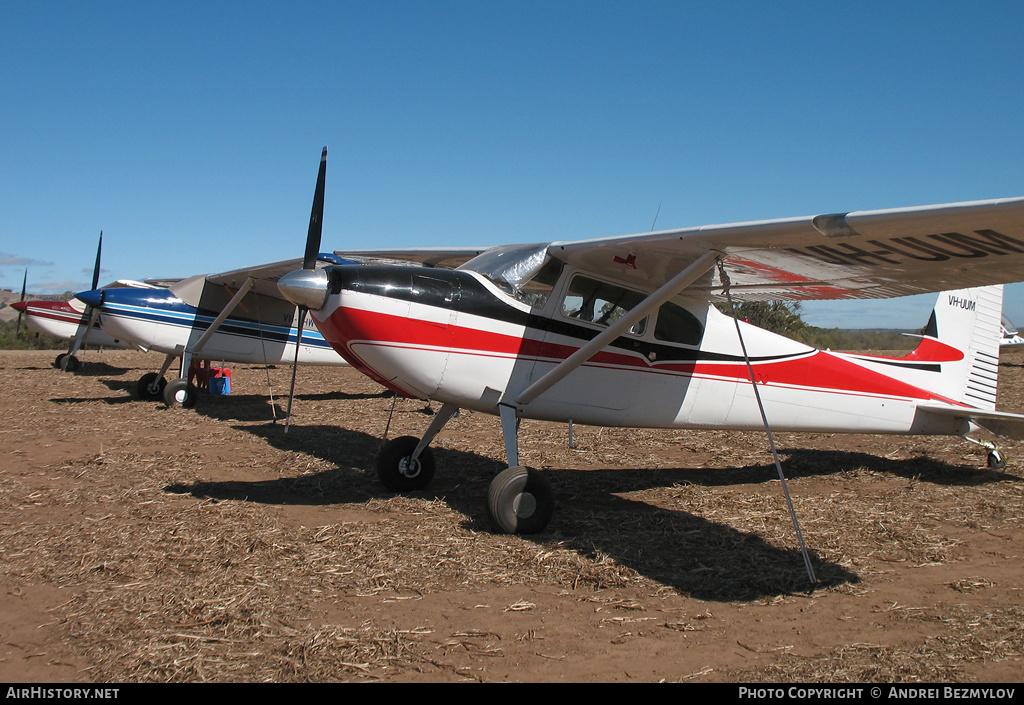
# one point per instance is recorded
(398, 472)
(150, 387)
(520, 501)
(181, 392)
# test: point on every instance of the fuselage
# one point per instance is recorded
(156, 319)
(456, 337)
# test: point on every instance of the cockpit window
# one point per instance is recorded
(601, 303)
(524, 271)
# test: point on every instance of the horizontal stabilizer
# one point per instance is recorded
(1002, 424)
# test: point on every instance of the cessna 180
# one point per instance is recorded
(624, 331)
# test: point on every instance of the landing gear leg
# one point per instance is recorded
(151, 385)
(519, 500)
(406, 464)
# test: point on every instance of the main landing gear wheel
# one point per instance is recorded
(181, 392)
(150, 387)
(67, 363)
(398, 472)
(520, 501)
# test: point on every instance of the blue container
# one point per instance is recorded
(220, 385)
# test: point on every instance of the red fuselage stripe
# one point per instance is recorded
(817, 370)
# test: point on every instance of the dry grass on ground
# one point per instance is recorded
(150, 544)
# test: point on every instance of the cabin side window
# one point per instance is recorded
(598, 302)
(677, 325)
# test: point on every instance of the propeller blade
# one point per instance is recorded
(89, 315)
(316, 229)
(24, 281)
(316, 217)
(96, 267)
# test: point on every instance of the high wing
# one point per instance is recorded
(857, 255)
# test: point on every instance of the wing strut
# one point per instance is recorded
(771, 440)
(215, 326)
(673, 286)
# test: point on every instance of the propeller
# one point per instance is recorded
(89, 315)
(316, 228)
(21, 310)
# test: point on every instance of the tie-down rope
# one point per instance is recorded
(764, 418)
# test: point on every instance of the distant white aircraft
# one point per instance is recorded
(1009, 337)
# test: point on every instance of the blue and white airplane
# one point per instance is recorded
(218, 317)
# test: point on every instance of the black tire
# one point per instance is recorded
(520, 501)
(59, 360)
(396, 471)
(150, 387)
(69, 363)
(182, 393)
(996, 460)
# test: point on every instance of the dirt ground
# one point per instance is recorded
(142, 544)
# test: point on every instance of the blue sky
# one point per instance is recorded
(190, 133)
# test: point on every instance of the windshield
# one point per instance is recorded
(524, 271)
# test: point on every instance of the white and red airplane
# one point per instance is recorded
(624, 331)
(71, 320)
(64, 320)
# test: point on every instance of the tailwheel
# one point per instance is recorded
(181, 392)
(397, 469)
(150, 387)
(996, 459)
(520, 501)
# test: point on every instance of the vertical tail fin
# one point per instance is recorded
(969, 321)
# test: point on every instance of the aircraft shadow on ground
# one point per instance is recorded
(691, 554)
(97, 369)
(233, 407)
(805, 462)
(258, 407)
